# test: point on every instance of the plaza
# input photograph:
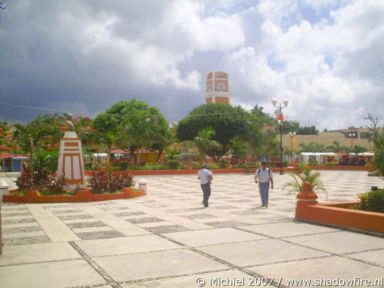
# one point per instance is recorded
(168, 239)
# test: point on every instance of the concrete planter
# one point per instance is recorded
(338, 214)
(34, 196)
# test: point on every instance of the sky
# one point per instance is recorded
(325, 56)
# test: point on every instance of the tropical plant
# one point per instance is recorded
(42, 181)
(100, 182)
(305, 174)
(206, 145)
(312, 147)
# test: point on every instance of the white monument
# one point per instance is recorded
(71, 163)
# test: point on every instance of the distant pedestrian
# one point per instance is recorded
(264, 176)
(206, 178)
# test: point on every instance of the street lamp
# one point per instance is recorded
(292, 137)
(280, 117)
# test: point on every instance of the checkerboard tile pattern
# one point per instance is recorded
(114, 242)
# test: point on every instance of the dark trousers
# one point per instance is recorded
(206, 193)
(264, 192)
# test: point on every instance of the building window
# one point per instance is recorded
(364, 135)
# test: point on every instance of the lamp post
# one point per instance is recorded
(280, 117)
(292, 137)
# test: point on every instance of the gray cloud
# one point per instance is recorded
(83, 56)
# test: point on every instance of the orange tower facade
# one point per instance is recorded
(217, 88)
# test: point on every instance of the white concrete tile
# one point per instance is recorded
(232, 278)
(372, 257)
(156, 264)
(287, 229)
(321, 270)
(125, 245)
(212, 236)
(340, 242)
(37, 253)
(50, 274)
(55, 229)
(259, 252)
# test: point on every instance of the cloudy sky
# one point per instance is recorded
(325, 56)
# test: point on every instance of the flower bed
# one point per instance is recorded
(229, 170)
(34, 196)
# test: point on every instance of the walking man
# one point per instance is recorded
(205, 177)
(263, 176)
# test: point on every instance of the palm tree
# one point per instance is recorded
(205, 144)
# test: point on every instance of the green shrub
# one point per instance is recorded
(196, 165)
(375, 201)
(153, 166)
(223, 163)
(173, 164)
(213, 166)
(372, 201)
(247, 165)
(123, 165)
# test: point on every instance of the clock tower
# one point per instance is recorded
(217, 88)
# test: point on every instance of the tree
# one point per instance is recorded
(378, 160)
(227, 121)
(261, 137)
(336, 147)
(5, 136)
(133, 125)
(206, 145)
(294, 126)
(42, 133)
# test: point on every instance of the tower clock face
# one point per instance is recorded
(220, 87)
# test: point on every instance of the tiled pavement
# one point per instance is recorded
(166, 239)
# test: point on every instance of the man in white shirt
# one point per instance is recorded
(264, 176)
(206, 178)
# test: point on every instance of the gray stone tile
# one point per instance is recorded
(199, 216)
(12, 230)
(260, 252)
(26, 240)
(99, 234)
(86, 224)
(14, 214)
(225, 224)
(76, 216)
(16, 221)
(156, 264)
(132, 213)
(144, 220)
(166, 229)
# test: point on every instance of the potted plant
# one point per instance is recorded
(304, 174)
